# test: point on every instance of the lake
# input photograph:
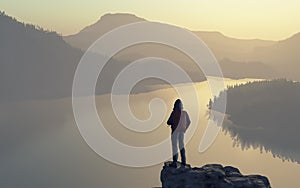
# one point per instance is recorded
(42, 147)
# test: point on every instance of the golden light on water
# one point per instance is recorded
(222, 151)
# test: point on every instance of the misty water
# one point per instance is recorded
(41, 146)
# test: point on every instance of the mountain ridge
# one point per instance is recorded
(281, 56)
(35, 63)
(119, 19)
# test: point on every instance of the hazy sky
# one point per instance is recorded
(265, 19)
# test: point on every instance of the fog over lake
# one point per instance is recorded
(41, 146)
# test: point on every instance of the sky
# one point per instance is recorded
(248, 19)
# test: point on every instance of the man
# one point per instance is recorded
(179, 121)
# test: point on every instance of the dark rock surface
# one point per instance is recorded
(209, 176)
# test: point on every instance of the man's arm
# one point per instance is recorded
(170, 120)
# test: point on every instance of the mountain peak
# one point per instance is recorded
(106, 23)
(110, 21)
(120, 15)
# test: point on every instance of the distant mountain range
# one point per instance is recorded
(250, 57)
(222, 46)
(35, 63)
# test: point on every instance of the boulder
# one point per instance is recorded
(209, 176)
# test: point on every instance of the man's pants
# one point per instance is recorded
(178, 137)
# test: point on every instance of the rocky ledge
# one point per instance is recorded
(209, 176)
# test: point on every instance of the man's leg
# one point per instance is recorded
(181, 147)
(174, 139)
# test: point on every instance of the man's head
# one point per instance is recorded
(178, 105)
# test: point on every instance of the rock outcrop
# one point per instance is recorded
(209, 176)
